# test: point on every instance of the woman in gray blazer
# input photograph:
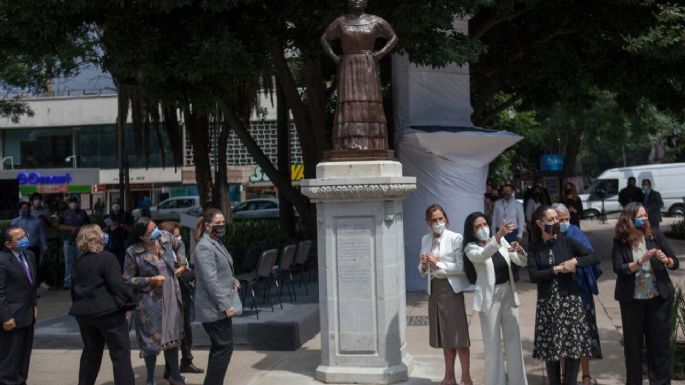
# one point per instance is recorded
(216, 292)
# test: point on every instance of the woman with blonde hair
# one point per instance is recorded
(100, 303)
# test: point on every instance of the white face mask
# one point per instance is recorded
(483, 233)
(37, 203)
(179, 238)
(439, 227)
(73, 205)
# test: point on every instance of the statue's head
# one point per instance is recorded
(357, 5)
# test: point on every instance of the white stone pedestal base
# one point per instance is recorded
(361, 270)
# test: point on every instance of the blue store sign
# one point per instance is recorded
(35, 178)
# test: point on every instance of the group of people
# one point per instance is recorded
(157, 287)
(562, 263)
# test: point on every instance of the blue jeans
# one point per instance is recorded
(70, 254)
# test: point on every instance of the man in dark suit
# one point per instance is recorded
(653, 203)
(18, 306)
(630, 193)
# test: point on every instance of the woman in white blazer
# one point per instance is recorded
(495, 297)
(442, 261)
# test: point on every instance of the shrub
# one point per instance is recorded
(677, 327)
(677, 230)
(242, 234)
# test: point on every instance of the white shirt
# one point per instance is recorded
(511, 211)
(451, 259)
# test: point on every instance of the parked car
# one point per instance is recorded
(256, 208)
(666, 178)
(172, 208)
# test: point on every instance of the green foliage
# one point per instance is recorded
(242, 234)
(677, 230)
(677, 332)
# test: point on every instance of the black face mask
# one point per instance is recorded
(219, 230)
(553, 229)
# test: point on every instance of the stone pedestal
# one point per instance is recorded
(361, 270)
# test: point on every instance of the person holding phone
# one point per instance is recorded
(561, 331)
(216, 292)
(150, 268)
(642, 257)
(495, 298)
(442, 261)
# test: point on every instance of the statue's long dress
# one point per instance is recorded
(359, 122)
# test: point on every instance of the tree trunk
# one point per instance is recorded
(198, 133)
(311, 154)
(286, 213)
(572, 147)
(221, 178)
(122, 115)
(301, 202)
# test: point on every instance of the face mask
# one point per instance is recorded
(552, 229)
(483, 233)
(179, 238)
(23, 243)
(640, 223)
(646, 189)
(37, 203)
(155, 234)
(563, 227)
(25, 212)
(219, 230)
(73, 205)
(506, 195)
(116, 207)
(439, 228)
(105, 239)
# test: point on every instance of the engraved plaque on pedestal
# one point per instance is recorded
(355, 264)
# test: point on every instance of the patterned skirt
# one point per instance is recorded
(591, 320)
(561, 330)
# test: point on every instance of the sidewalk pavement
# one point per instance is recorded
(249, 367)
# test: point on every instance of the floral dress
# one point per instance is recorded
(561, 330)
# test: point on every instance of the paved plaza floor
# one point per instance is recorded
(249, 367)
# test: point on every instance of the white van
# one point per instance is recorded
(668, 179)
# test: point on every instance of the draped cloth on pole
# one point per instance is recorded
(437, 143)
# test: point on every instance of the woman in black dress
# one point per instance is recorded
(560, 328)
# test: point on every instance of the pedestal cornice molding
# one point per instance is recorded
(320, 191)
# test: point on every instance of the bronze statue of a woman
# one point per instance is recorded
(359, 123)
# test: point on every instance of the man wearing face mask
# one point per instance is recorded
(509, 210)
(653, 203)
(118, 225)
(37, 208)
(35, 230)
(18, 306)
(70, 222)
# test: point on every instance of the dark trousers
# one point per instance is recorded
(187, 341)
(110, 329)
(221, 336)
(647, 319)
(15, 354)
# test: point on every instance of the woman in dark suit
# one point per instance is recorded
(100, 301)
(216, 293)
(642, 258)
(560, 328)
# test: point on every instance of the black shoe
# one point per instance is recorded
(166, 374)
(190, 368)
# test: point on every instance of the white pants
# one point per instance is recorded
(502, 320)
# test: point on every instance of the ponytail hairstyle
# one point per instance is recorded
(206, 217)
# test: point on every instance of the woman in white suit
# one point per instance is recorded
(495, 297)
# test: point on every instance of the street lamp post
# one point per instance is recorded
(71, 158)
(11, 159)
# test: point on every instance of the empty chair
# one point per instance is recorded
(264, 274)
(299, 266)
(284, 271)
